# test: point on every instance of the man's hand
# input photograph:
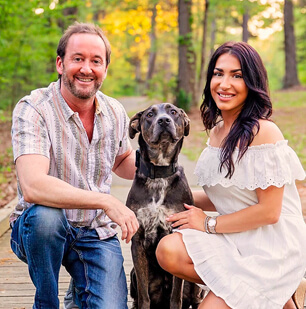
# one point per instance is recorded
(124, 217)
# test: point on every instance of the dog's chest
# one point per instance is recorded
(152, 216)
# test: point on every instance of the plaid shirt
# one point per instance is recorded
(44, 124)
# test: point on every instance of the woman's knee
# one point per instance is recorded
(168, 251)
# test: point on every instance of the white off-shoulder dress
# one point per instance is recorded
(259, 268)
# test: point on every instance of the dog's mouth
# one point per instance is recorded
(164, 136)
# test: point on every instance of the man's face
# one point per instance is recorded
(83, 68)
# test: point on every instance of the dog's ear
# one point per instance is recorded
(186, 122)
(134, 126)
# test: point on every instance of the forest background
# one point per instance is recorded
(160, 50)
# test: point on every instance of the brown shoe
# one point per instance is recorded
(299, 295)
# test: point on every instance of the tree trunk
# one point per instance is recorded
(213, 31)
(291, 77)
(245, 30)
(152, 56)
(185, 96)
(69, 16)
(201, 80)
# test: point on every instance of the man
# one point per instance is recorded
(67, 139)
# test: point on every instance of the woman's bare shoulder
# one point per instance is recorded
(269, 133)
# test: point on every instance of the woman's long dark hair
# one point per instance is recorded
(257, 104)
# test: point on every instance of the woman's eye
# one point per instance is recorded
(217, 74)
(237, 76)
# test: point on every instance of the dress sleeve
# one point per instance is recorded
(260, 167)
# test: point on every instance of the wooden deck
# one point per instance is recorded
(16, 288)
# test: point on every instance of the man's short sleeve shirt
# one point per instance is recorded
(44, 124)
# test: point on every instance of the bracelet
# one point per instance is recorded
(206, 224)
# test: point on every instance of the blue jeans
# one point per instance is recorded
(43, 238)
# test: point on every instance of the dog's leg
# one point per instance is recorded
(176, 293)
(142, 274)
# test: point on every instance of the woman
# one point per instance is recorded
(253, 255)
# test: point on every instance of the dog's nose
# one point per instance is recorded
(164, 121)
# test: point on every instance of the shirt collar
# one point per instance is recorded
(68, 112)
(100, 107)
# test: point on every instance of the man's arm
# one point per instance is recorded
(40, 188)
(124, 165)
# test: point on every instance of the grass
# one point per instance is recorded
(289, 114)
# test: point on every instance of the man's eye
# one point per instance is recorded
(77, 59)
(98, 62)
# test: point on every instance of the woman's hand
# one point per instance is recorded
(192, 218)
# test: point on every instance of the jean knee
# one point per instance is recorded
(43, 223)
(46, 221)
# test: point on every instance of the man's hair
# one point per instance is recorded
(82, 28)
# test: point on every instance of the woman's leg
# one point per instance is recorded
(290, 304)
(212, 301)
(172, 256)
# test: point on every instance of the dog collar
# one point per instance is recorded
(154, 171)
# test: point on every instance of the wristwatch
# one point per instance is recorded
(211, 225)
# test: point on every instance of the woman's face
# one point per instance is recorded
(227, 86)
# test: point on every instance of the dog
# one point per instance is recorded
(159, 189)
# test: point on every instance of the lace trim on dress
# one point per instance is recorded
(260, 167)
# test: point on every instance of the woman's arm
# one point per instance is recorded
(202, 201)
(266, 211)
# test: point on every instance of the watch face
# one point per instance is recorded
(212, 222)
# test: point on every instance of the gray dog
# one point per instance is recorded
(159, 189)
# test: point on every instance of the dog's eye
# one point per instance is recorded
(173, 112)
(150, 114)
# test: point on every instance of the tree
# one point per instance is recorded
(201, 80)
(152, 55)
(185, 96)
(291, 76)
(245, 29)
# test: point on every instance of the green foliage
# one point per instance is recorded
(30, 30)
(6, 165)
(183, 100)
(160, 88)
(4, 117)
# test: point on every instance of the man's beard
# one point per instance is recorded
(79, 93)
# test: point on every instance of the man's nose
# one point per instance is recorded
(86, 68)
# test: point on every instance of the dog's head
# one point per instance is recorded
(161, 123)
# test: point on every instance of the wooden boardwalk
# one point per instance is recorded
(16, 288)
